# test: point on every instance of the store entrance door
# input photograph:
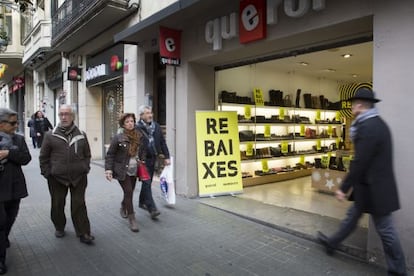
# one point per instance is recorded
(113, 107)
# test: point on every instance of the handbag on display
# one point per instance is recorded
(142, 171)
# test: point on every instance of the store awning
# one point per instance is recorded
(176, 16)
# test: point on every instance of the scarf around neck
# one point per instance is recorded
(370, 113)
(67, 131)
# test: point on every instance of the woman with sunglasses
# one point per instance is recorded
(12, 181)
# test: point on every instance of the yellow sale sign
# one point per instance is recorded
(218, 153)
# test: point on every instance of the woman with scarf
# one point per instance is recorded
(126, 150)
(371, 177)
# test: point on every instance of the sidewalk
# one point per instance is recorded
(189, 239)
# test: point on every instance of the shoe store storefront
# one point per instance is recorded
(285, 67)
(105, 73)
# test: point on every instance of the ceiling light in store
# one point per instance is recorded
(354, 75)
(346, 55)
(303, 63)
(329, 70)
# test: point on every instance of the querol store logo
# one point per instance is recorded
(253, 17)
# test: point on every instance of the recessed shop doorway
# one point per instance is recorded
(320, 73)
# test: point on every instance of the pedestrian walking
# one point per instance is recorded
(156, 146)
(14, 154)
(41, 126)
(371, 177)
(125, 152)
(65, 162)
(32, 132)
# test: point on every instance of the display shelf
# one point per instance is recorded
(255, 160)
(282, 176)
(290, 128)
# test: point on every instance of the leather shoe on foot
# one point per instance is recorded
(3, 268)
(155, 213)
(325, 242)
(123, 213)
(59, 233)
(86, 239)
(143, 206)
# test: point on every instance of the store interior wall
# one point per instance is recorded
(393, 44)
(244, 79)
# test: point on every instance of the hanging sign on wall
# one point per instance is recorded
(170, 46)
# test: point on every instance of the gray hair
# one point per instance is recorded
(68, 106)
(6, 113)
(142, 108)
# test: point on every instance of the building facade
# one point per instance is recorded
(214, 41)
(103, 58)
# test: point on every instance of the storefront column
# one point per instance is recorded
(392, 78)
(194, 91)
(134, 73)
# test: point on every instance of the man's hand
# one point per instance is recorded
(108, 175)
(340, 195)
(4, 154)
(167, 162)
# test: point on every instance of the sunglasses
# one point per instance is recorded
(12, 123)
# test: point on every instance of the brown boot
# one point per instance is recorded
(133, 225)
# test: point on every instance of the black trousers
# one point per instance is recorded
(145, 196)
(58, 192)
(8, 214)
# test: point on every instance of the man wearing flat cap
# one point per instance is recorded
(371, 177)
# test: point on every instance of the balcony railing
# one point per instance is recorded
(69, 12)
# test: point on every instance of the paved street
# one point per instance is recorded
(190, 239)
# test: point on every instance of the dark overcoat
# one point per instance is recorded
(66, 158)
(12, 180)
(371, 173)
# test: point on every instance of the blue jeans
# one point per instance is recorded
(393, 252)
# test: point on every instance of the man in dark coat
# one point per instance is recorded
(152, 131)
(65, 162)
(371, 177)
(12, 181)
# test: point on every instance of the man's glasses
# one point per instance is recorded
(12, 123)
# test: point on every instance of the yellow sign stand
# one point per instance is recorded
(218, 153)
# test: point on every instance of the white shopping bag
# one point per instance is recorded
(167, 183)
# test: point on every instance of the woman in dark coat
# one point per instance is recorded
(127, 149)
(41, 125)
(31, 126)
(12, 181)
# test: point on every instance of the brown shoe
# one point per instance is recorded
(133, 225)
(123, 212)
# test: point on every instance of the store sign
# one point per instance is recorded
(253, 17)
(96, 71)
(170, 46)
(218, 155)
(18, 82)
(252, 20)
(105, 66)
(74, 74)
(115, 64)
